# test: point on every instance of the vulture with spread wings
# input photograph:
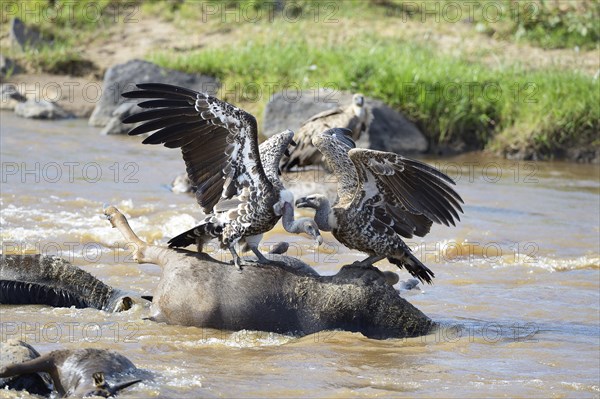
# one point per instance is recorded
(356, 117)
(237, 185)
(382, 197)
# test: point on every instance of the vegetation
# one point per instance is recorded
(55, 59)
(455, 98)
(61, 19)
(545, 23)
(451, 100)
(64, 27)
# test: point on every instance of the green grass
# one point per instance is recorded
(56, 59)
(548, 24)
(70, 24)
(64, 26)
(60, 19)
(565, 115)
(263, 10)
(452, 101)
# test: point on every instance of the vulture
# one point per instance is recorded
(382, 197)
(237, 185)
(357, 118)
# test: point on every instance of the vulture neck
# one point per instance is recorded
(323, 214)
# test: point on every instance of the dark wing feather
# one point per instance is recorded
(163, 103)
(162, 113)
(409, 223)
(158, 124)
(414, 192)
(167, 134)
(218, 141)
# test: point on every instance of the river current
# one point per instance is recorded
(516, 289)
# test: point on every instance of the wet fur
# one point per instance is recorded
(281, 299)
(197, 290)
(53, 281)
(72, 371)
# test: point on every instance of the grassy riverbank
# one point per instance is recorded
(454, 102)
(515, 78)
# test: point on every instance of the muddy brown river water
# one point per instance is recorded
(516, 288)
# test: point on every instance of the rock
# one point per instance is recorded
(22, 36)
(288, 110)
(75, 95)
(390, 130)
(8, 66)
(114, 125)
(41, 109)
(584, 154)
(123, 77)
(10, 96)
(280, 248)
(10, 91)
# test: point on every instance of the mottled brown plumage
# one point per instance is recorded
(356, 118)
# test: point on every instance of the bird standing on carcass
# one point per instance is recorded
(382, 197)
(237, 184)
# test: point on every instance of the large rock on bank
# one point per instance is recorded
(114, 125)
(389, 131)
(123, 77)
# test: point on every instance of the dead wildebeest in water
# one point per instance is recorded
(53, 281)
(197, 290)
(80, 372)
